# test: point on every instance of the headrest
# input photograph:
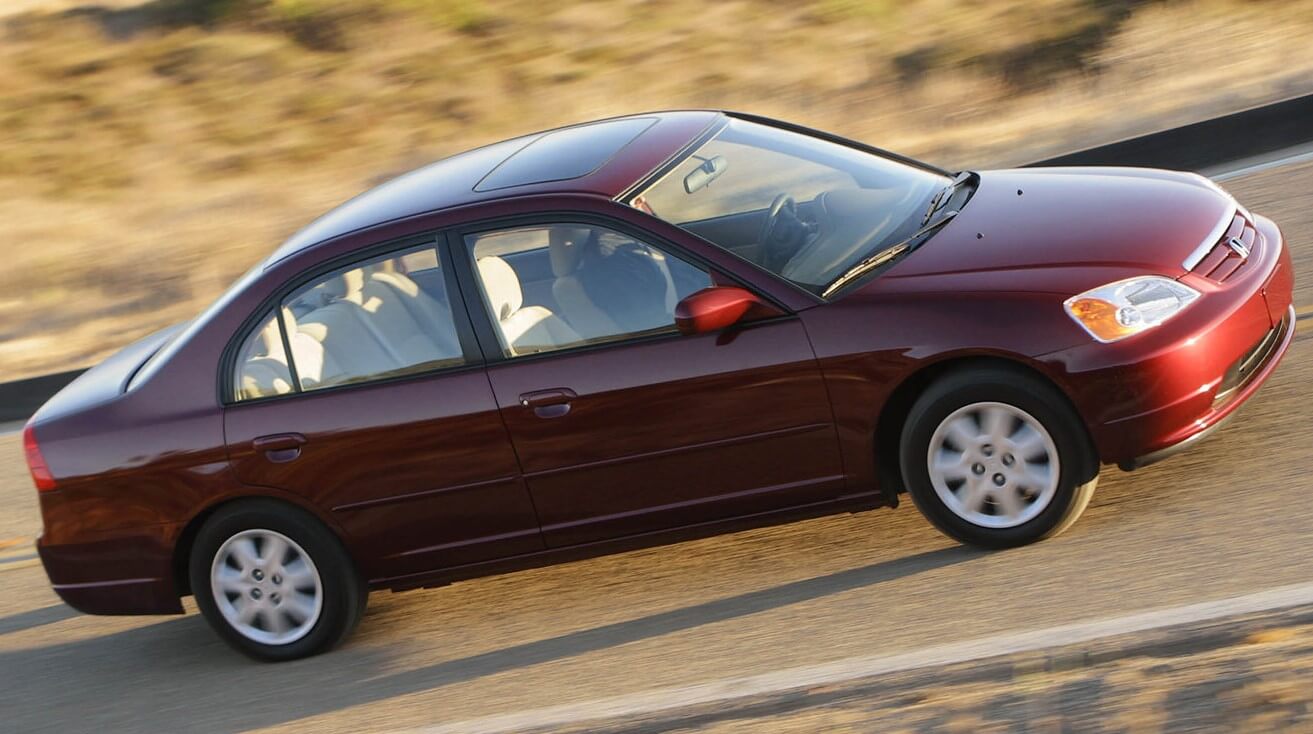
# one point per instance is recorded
(501, 286)
(566, 246)
(271, 336)
(354, 281)
(345, 287)
(289, 320)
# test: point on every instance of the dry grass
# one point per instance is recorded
(150, 152)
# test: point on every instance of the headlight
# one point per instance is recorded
(1127, 307)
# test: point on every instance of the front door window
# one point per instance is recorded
(556, 286)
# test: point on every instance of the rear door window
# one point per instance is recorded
(386, 317)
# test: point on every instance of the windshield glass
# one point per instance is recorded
(803, 208)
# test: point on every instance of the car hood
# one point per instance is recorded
(1064, 230)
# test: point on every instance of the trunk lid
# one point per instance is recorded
(106, 381)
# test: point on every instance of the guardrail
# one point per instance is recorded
(1248, 133)
(20, 399)
(1245, 134)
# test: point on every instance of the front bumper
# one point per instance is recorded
(1157, 393)
(129, 574)
(1268, 353)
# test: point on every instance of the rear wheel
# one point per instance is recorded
(996, 458)
(274, 582)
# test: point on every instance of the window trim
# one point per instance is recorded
(436, 239)
(485, 330)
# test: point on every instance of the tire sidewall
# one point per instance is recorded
(341, 585)
(1042, 402)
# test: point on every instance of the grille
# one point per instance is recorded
(1222, 261)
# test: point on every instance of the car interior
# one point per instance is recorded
(801, 208)
(804, 240)
(385, 318)
(546, 287)
(561, 285)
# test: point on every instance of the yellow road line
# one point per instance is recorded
(16, 553)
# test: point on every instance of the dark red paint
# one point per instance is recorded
(508, 464)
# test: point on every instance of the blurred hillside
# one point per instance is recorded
(152, 151)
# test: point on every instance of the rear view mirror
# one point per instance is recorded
(715, 308)
(704, 174)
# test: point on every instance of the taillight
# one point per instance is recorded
(35, 462)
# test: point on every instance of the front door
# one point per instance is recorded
(381, 418)
(621, 424)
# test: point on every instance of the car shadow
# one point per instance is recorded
(183, 662)
(34, 618)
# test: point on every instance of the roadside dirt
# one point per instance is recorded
(1253, 674)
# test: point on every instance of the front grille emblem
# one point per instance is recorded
(1238, 247)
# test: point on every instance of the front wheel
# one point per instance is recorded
(996, 458)
(274, 582)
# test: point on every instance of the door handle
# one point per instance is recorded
(280, 448)
(552, 403)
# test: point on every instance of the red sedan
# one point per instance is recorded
(639, 330)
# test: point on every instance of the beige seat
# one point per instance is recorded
(263, 363)
(524, 329)
(607, 284)
(363, 323)
(566, 248)
(333, 345)
(412, 325)
(369, 322)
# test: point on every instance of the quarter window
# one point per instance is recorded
(549, 287)
(262, 368)
(384, 318)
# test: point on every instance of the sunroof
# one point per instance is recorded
(565, 154)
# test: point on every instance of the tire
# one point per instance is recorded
(1002, 490)
(275, 611)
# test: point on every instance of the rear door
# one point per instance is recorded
(622, 425)
(382, 416)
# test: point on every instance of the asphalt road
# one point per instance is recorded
(1229, 518)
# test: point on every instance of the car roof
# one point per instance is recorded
(602, 158)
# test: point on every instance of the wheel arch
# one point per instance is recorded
(186, 539)
(897, 406)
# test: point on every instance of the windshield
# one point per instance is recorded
(803, 208)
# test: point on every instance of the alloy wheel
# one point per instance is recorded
(993, 465)
(266, 587)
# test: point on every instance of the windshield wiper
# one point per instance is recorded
(940, 199)
(885, 255)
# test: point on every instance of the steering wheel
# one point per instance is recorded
(780, 233)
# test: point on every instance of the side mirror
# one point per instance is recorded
(715, 308)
